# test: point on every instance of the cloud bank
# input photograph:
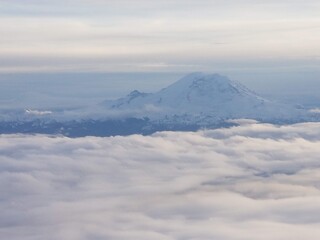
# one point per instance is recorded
(108, 36)
(254, 181)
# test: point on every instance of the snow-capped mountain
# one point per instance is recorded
(199, 96)
(193, 102)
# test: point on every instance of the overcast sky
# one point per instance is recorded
(175, 35)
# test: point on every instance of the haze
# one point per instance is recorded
(175, 36)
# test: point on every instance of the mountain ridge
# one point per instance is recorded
(205, 94)
(193, 102)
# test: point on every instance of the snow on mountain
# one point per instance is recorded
(200, 96)
(194, 102)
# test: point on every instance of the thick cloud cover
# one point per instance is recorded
(170, 35)
(255, 181)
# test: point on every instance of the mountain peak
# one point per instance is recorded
(203, 94)
(212, 81)
(196, 76)
(135, 93)
(198, 79)
(213, 86)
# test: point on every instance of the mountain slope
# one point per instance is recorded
(201, 96)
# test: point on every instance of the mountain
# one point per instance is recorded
(196, 101)
(199, 96)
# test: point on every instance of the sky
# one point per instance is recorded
(159, 36)
(254, 181)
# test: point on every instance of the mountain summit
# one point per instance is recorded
(199, 96)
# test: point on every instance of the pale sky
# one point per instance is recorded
(145, 35)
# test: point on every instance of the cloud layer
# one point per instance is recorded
(255, 181)
(176, 35)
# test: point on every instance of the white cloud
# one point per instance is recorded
(37, 112)
(254, 181)
(315, 110)
(125, 36)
